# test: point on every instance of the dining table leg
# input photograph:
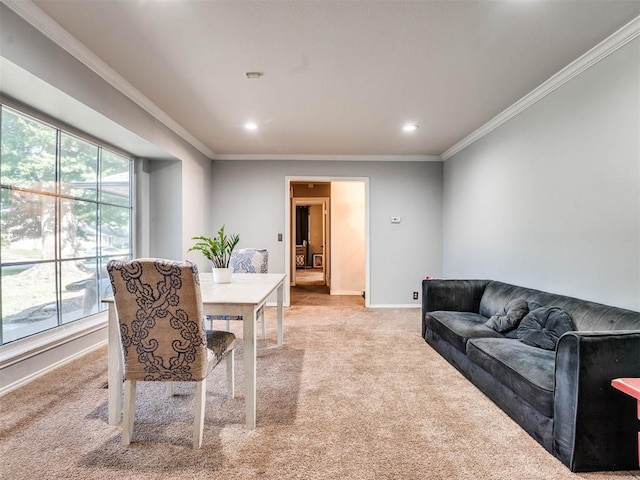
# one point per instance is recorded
(280, 296)
(249, 344)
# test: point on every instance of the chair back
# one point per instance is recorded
(161, 319)
(249, 260)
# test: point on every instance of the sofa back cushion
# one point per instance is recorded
(586, 316)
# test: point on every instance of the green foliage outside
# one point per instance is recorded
(28, 161)
(79, 203)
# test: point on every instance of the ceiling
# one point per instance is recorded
(339, 77)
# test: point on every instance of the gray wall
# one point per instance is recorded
(178, 188)
(30, 50)
(249, 198)
(165, 212)
(551, 199)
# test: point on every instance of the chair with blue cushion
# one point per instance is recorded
(161, 318)
(248, 260)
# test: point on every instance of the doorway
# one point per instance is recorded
(327, 249)
(311, 225)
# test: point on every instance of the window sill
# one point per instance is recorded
(20, 350)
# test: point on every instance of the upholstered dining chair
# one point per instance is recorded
(248, 260)
(161, 319)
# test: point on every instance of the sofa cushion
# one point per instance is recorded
(527, 371)
(586, 316)
(457, 327)
(509, 316)
(544, 326)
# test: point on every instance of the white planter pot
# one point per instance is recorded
(222, 275)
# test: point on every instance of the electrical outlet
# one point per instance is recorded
(279, 237)
(415, 295)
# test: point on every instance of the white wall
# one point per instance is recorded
(347, 238)
(248, 196)
(316, 228)
(551, 199)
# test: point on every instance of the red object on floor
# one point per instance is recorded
(630, 386)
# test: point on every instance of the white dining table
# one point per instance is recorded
(245, 295)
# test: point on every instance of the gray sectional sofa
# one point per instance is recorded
(560, 394)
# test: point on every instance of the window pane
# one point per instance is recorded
(78, 167)
(78, 232)
(115, 179)
(28, 301)
(28, 153)
(28, 224)
(114, 230)
(83, 290)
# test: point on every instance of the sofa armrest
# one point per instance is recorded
(595, 427)
(453, 295)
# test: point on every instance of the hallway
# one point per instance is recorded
(309, 276)
(318, 295)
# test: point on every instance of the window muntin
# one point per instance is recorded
(65, 211)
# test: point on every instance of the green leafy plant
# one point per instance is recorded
(217, 249)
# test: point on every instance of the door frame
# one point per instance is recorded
(288, 257)
(326, 234)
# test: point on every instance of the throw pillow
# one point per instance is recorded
(532, 305)
(544, 326)
(509, 316)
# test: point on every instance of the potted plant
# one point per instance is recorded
(218, 249)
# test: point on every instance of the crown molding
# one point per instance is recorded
(329, 158)
(61, 37)
(46, 25)
(605, 48)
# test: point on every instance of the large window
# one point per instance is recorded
(65, 211)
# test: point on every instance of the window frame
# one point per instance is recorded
(66, 330)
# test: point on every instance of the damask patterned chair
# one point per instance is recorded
(161, 319)
(248, 260)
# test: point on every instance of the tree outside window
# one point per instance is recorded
(65, 211)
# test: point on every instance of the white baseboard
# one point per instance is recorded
(346, 292)
(24, 380)
(397, 305)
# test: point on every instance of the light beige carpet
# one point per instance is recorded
(353, 394)
(310, 276)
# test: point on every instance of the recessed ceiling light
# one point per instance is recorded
(410, 127)
(250, 126)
